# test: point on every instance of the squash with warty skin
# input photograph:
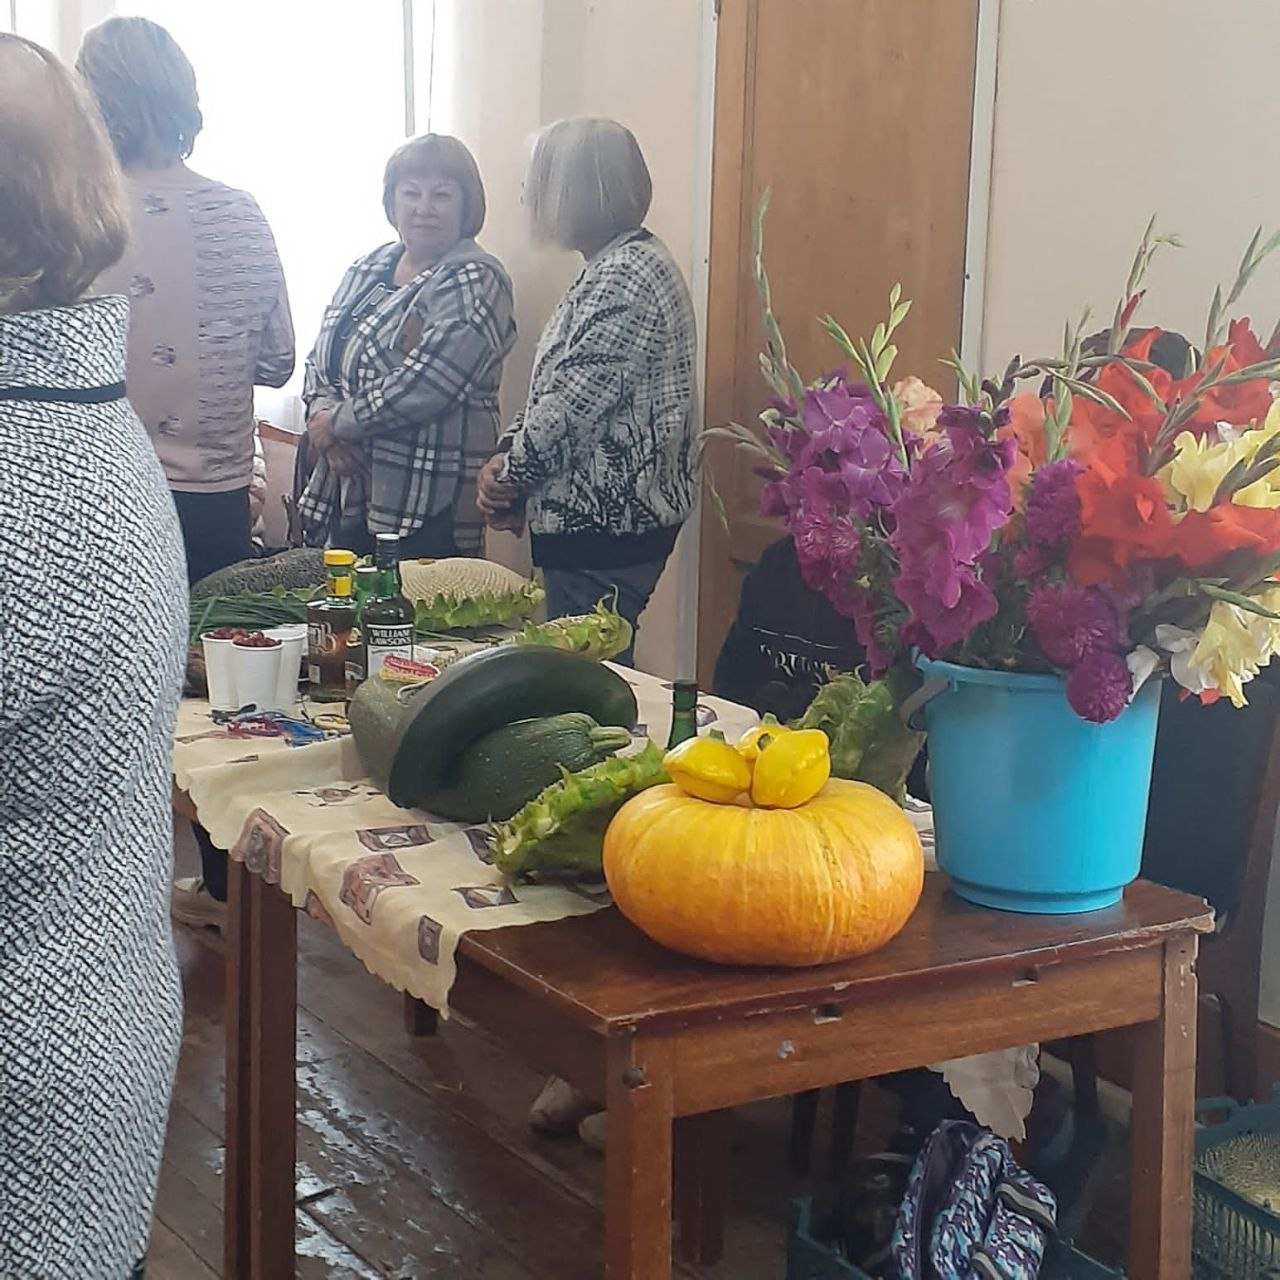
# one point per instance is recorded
(835, 878)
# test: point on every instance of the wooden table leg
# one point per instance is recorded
(261, 1124)
(1162, 1126)
(702, 1184)
(420, 1019)
(638, 1162)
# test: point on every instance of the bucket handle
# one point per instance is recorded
(910, 711)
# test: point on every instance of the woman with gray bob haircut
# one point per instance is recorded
(603, 459)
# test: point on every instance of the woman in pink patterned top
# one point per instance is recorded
(209, 314)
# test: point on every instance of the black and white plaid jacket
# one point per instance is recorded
(606, 449)
(411, 374)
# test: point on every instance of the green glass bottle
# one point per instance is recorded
(366, 581)
(386, 625)
(684, 712)
(366, 584)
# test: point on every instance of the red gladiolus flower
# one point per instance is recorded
(1202, 538)
(1238, 405)
(1123, 518)
(1093, 425)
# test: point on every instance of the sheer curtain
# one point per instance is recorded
(302, 105)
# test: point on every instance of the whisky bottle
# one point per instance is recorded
(386, 624)
(330, 622)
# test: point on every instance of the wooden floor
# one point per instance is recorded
(414, 1156)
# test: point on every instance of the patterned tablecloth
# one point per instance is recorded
(400, 887)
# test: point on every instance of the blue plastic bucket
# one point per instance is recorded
(1035, 809)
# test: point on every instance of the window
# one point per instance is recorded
(302, 106)
(35, 19)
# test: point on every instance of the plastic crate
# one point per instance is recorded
(809, 1260)
(1064, 1262)
(1233, 1239)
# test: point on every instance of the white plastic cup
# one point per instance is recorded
(293, 647)
(218, 673)
(256, 672)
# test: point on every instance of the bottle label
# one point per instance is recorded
(385, 640)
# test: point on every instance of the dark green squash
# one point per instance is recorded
(410, 741)
(498, 775)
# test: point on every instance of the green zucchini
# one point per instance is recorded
(497, 776)
(471, 698)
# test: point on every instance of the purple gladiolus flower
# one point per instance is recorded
(958, 495)
(1099, 688)
(936, 626)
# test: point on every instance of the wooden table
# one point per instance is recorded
(668, 1043)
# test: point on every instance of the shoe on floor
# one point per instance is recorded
(190, 902)
(593, 1131)
(559, 1109)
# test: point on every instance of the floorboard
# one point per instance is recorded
(414, 1155)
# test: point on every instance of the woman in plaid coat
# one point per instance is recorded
(401, 390)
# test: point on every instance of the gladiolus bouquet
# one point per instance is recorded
(1109, 514)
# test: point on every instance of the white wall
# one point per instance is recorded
(1108, 111)
(515, 65)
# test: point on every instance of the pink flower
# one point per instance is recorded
(827, 545)
(1100, 687)
(920, 405)
(1072, 622)
(1053, 504)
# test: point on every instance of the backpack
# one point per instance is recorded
(970, 1212)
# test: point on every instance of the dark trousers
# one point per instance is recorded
(434, 541)
(571, 592)
(213, 864)
(216, 530)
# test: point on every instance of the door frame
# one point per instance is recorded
(688, 564)
(721, 173)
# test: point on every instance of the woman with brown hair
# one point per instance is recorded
(402, 384)
(93, 636)
(209, 315)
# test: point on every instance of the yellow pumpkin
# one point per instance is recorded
(835, 878)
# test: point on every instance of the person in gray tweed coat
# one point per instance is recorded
(92, 639)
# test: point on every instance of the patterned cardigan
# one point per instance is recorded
(606, 449)
(411, 374)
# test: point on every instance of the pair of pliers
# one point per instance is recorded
(275, 724)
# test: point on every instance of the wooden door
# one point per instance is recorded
(857, 115)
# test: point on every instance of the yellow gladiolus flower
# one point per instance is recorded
(1264, 492)
(1201, 463)
(1236, 644)
(1199, 467)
